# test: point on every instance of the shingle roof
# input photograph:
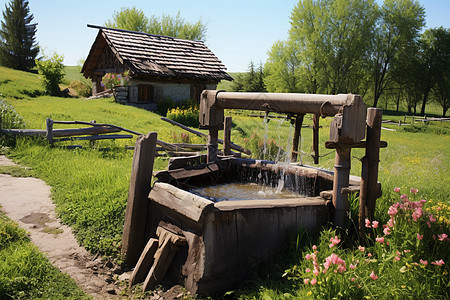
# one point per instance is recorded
(154, 55)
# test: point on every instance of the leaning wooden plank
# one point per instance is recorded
(144, 263)
(185, 203)
(133, 238)
(62, 132)
(96, 137)
(201, 134)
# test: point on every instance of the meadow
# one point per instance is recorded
(90, 186)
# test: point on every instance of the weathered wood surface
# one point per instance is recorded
(297, 135)
(95, 137)
(62, 132)
(316, 119)
(227, 136)
(144, 263)
(362, 144)
(133, 238)
(201, 134)
(180, 201)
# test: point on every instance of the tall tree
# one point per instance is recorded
(398, 28)
(333, 37)
(18, 46)
(134, 19)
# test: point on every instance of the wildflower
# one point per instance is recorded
(334, 241)
(361, 248)
(404, 197)
(393, 210)
(417, 214)
(438, 262)
(314, 247)
(423, 262)
(369, 254)
(307, 256)
(386, 230)
(368, 223)
(313, 281)
(373, 276)
(353, 279)
(375, 224)
(432, 219)
(316, 272)
(419, 237)
(308, 270)
(352, 266)
(414, 191)
(442, 237)
(396, 189)
(379, 239)
(397, 258)
(306, 280)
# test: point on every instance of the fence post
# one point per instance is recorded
(297, 135)
(49, 125)
(133, 238)
(316, 118)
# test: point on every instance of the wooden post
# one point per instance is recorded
(133, 238)
(213, 138)
(297, 136)
(374, 118)
(316, 118)
(227, 136)
(341, 180)
(49, 125)
(363, 198)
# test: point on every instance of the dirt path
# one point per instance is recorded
(27, 201)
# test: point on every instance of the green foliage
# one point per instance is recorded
(52, 71)
(25, 273)
(134, 19)
(252, 81)
(18, 47)
(111, 80)
(164, 105)
(188, 117)
(9, 119)
(82, 88)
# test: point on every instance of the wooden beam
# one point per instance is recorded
(227, 136)
(133, 238)
(362, 144)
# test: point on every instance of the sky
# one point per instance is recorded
(237, 31)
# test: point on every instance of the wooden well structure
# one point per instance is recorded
(208, 246)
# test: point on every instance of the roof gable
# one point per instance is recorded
(154, 55)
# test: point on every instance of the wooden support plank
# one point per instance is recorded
(133, 238)
(49, 126)
(297, 135)
(227, 136)
(362, 144)
(316, 118)
(96, 137)
(144, 263)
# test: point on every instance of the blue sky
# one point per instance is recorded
(238, 31)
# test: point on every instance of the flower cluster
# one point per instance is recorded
(111, 80)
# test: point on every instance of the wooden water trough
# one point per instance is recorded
(207, 245)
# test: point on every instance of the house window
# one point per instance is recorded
(146, 93)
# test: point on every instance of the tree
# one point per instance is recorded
(134, 19)
(252, 81)
(52, 71)
(18, 47)
(398, 28)
(333, 38)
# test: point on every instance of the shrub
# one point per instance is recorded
(82, 88)
(52, 71)
(9, 119)
(111, 80)
(188, 117)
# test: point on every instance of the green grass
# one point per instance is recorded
(90, 185)
(72, 73)
(227, 85)
(25, 273)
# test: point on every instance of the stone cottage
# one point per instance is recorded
(159, 67)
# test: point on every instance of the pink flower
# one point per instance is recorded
(368, 223)
(420, 236)
(414, 191)
(375, 224)
(396, 189)
(314, 247)
(373, 276)
(397, 258)
(352, 266)
(393, 210)
(417, 214)
(432, 219)
(404, 197)
(424, 262)
(313, 281)
(353, 279)
(307, 256)
(306, 280)
(369, 254)
(334, 241)
(438, 262)
(438, 208)
(379, 239)
(361, 248)
(308, 270)
(315, 272)
(442, 237)
(387, 230)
